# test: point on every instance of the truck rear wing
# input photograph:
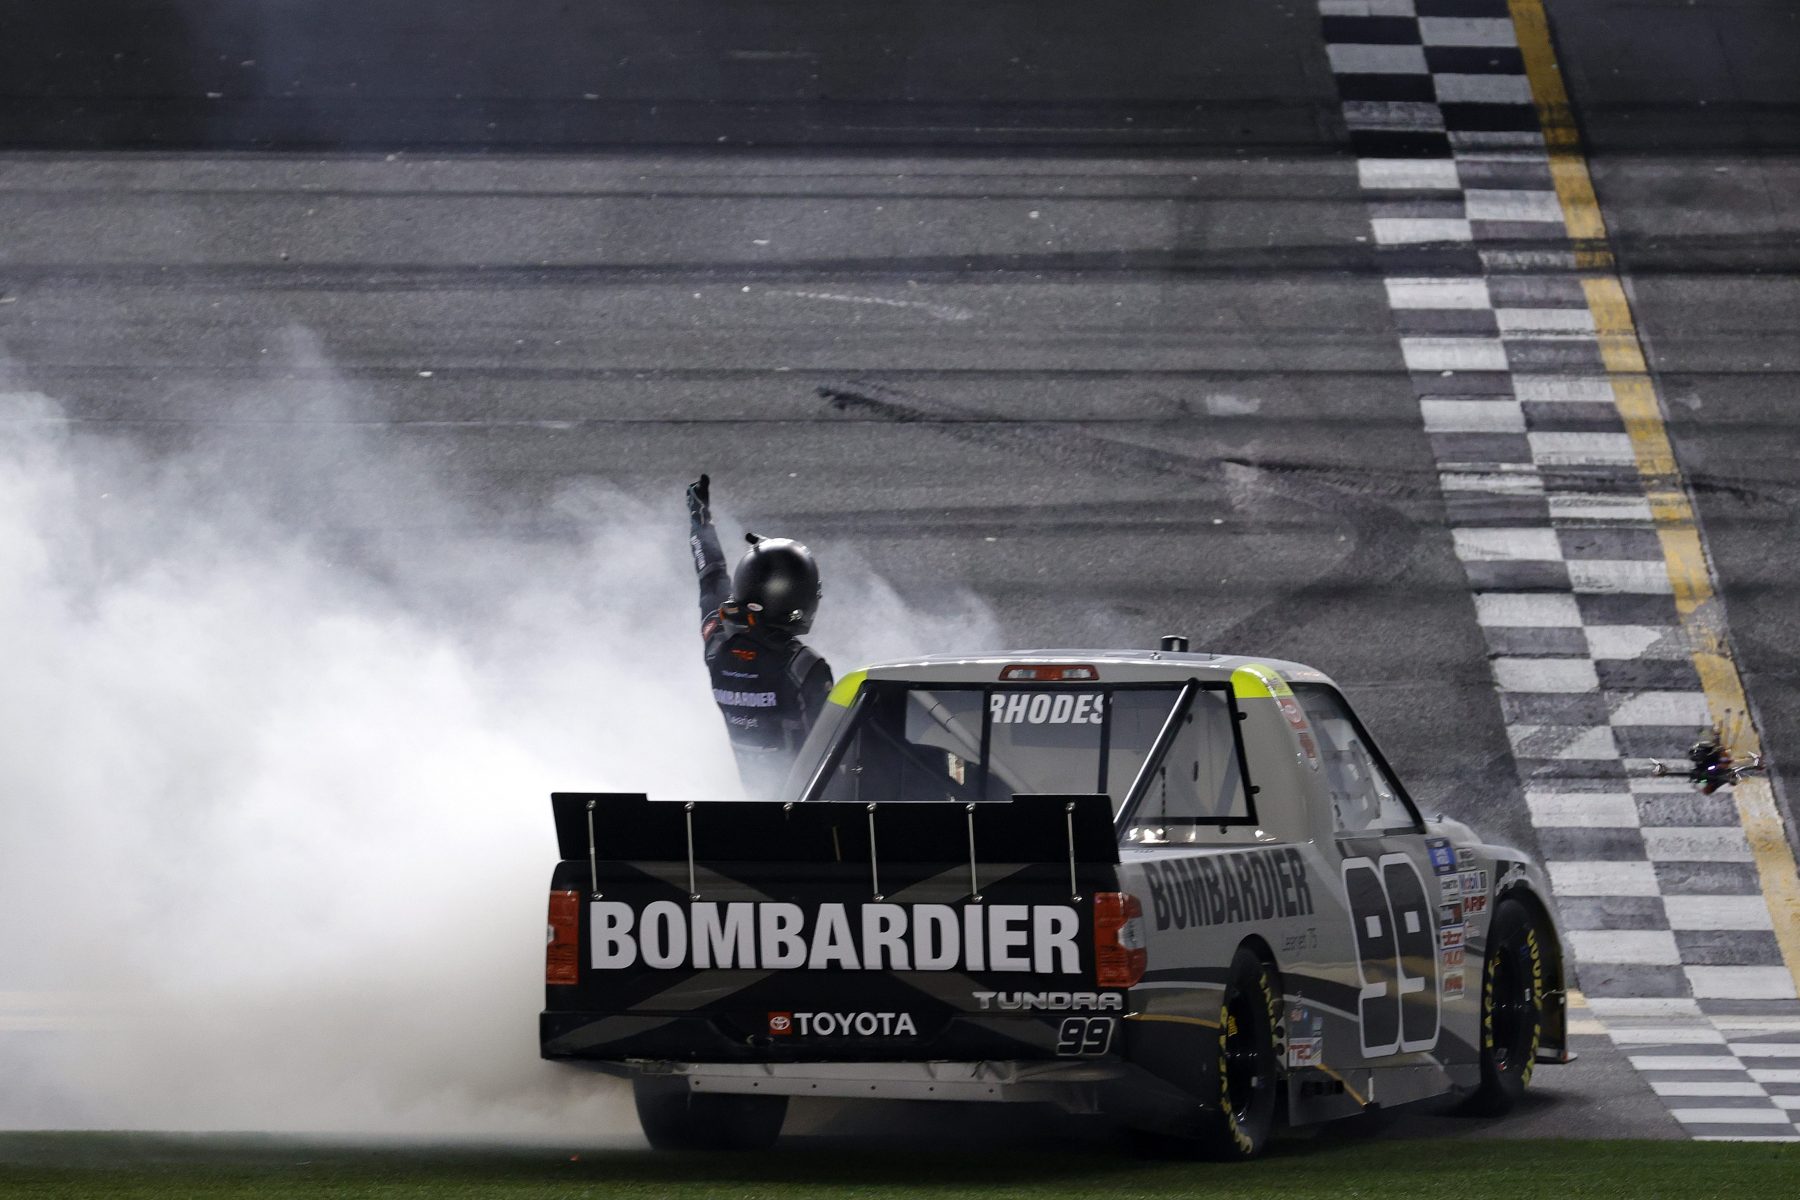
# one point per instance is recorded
(630, 827)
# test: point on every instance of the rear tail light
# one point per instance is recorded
(1119, 948)
(562, 950)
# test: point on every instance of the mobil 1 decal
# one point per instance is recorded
(1390, 917)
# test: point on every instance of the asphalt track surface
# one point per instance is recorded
(1118, 383)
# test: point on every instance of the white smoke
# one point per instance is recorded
(279, 716)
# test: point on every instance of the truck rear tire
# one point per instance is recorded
(674, 1117)
(1512, 1008)
(1242, 1119)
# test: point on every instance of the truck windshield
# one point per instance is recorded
(924, 742)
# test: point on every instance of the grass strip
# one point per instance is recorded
(153, 1167)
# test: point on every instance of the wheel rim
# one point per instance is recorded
(1246, 1068)
(1511, 1006)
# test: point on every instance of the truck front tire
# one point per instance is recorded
(1512, 1008)
(674, 1117)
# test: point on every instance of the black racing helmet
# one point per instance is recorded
(776, 586)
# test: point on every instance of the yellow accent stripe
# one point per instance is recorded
(1634, 395)
(1255, 681)
(846, 688)
(1172, 1019)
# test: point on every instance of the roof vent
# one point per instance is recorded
(1174, 643)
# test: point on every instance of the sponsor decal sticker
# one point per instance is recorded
(1474, 883)
(1453, 984)
(1450, 936)
(842, 1024)
(1306, 1038)
(1450, 914)
(744, 699)
(1050, 1001)
(668, 935)
(1475, 905)
(1224, 889)
(1450, 888)
(1047, 708)
(1454, 958)
(1464, 856)
(1443, 858)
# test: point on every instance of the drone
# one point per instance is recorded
(1710, 764)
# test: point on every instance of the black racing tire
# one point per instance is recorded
(674, 1117)
(1513, 982)
(1241, 1119)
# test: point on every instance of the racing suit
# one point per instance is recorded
(769, 686)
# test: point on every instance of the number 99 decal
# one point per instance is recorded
(1397, 948)
(1084, 1037)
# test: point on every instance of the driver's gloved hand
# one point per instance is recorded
(699, 500)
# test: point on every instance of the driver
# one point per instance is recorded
(770, 687)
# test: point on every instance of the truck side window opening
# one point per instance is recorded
(1199, 781)
(1363, 798)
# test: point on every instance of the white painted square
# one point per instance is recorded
(1616, 576)
(1419, 231)
(1467, 31)
(1545, 675)
(1581, 506)
(1695, 1087)
(1577, 878)
(1661, 708)
(1583, 449)
(1637, 1008)
(1564, 742)
(1373, 926)
(1631, 641)
(1453, 354)
(1419, 116)
(1438, 293)
(1655, 947)
(1482, 89)
(1412, 174)
(1717, 912)
(1472, 416)
(1730, 1116)
(1741, 983)
(1412, 920)
(1685, 843)
(1527, 610)
(1545, 322)
(1582, 810)
(1507, 545)
(1356, 59)
(1513, 204)
(1666, 1035)
(1685, 1062)
(1563, 389)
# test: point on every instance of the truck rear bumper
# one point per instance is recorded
(1080, 1087)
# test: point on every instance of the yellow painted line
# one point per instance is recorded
(1568, 166)
(1671, 508)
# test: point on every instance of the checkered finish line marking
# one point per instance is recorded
(1577, 533)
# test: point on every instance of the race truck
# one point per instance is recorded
(1184, 891)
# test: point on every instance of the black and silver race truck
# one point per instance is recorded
(1181, 890)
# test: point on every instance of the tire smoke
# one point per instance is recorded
(281, 708)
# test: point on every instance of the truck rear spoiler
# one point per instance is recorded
(631, 827)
